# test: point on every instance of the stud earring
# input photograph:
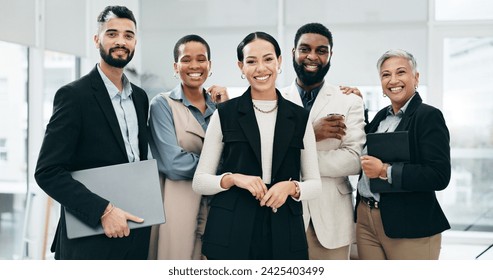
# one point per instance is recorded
(243, 76)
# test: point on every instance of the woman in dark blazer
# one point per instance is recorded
(405, 221)
(263, 149)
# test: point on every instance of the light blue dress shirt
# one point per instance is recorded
(126, 114)
(173, 161)
(389, 124)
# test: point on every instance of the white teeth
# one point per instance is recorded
(312, 67)
(262, 78)
(395, 89)
(195, 74)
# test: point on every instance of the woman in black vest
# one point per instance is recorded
(259, 159)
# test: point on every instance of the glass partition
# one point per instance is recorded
(13, 145)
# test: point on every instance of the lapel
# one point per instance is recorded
(192, 125)
(321, 102)
(411, 109)
(102, 97)
(248, 123)
(293, 95)
(141, 107)
(283, 133)
(404, 123)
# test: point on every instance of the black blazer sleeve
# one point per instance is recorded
(430, 166)
(56, 159)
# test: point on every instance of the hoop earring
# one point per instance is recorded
(243, 76)
(279, 71)
(210, 74)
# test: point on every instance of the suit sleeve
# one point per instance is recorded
(55, 160)
(311, 185)
(430, 169)
(173, 161)
(345, 160)
(205, 180)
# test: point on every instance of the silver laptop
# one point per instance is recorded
(133, 187)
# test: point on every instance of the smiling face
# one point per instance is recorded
(398, 81)
(193, 64)
(311, 59)
(260, 66)
(116, 42)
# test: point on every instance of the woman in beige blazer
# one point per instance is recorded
(177, 123)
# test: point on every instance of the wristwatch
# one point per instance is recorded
(296, 189)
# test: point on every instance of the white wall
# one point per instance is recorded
(362, 31)
(17, 19)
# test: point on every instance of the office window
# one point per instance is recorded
(3, 86)
(59, 69)
(3, 149)
(468, 110)
(13, 149)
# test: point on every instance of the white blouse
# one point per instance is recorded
(206, 181)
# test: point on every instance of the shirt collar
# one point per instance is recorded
(112, 89)
(178, 94)
(313, 93)
(402, 110)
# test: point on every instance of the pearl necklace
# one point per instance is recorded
(265, 112)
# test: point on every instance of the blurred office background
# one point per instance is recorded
(45, 44)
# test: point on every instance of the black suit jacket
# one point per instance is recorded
(83, 132)
(232, 214)
(417, 213)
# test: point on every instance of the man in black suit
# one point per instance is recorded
(98, 120)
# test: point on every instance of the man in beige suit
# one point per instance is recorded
(338, 121)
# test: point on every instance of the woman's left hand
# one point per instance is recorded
(276, 196)
(218, 93)
(351, 90)
(372, 166)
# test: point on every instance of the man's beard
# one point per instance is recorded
(310, 78)
(115, 62)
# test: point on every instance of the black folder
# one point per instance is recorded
(389, 147)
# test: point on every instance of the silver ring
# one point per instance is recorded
(274, 210)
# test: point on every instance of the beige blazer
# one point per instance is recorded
(186, 211)
(332, 213)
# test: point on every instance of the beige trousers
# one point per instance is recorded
(318, 252)
(373, 244)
